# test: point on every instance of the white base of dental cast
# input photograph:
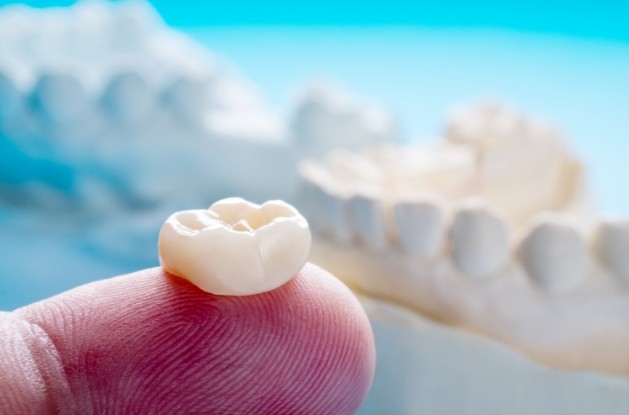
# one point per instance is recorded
(490, 236)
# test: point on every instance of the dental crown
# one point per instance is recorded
(236, 247)
(490, 230)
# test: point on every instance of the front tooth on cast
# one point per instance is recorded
(611, 242)
(236, 247)
(367, 221)
(480, 240)
(554, 255)
(420, 227)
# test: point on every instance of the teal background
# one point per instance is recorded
(592, 19)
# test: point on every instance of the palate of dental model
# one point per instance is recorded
(611, 242)
(236, 247)
(420, 226)
(480, 240)
(485, 123)
(555, 255)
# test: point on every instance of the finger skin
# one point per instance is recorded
(151, 343)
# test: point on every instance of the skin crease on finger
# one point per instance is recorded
(150, 342)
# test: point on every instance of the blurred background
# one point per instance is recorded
(566, 62)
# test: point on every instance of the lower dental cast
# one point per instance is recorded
(236, 247)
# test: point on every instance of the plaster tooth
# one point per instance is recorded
(554, 255)
(480, 240)
(60, 97)
(366, 218)
(312, 176)
(189, 98)
(327, 202)
(236, 247)
(127, 98)
(311, 196)
(10, 97)
(611, 243)
(420, 226)
(335, 219)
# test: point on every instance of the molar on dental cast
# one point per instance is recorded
(236, 247)
(480, 240)
(554, 254)
(420, 225)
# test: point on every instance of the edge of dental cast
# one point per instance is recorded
(236, 247)
(449, 235)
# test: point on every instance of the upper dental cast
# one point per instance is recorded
(100, 79)
(236, 247)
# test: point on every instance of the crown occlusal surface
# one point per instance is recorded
(236, 247)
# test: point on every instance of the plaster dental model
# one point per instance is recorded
(236, 247)
(443, 233)
(105, 107)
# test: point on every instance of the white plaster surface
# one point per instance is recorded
(425, 367)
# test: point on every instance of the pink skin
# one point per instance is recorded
(149, 343)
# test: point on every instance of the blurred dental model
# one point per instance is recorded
(105, 108)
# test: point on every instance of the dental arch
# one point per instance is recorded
(455, 243)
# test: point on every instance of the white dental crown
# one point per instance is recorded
(236, 247)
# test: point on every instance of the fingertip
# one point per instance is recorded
(153, 341)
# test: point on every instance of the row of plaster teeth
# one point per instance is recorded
(127, 98)
(478, 239)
